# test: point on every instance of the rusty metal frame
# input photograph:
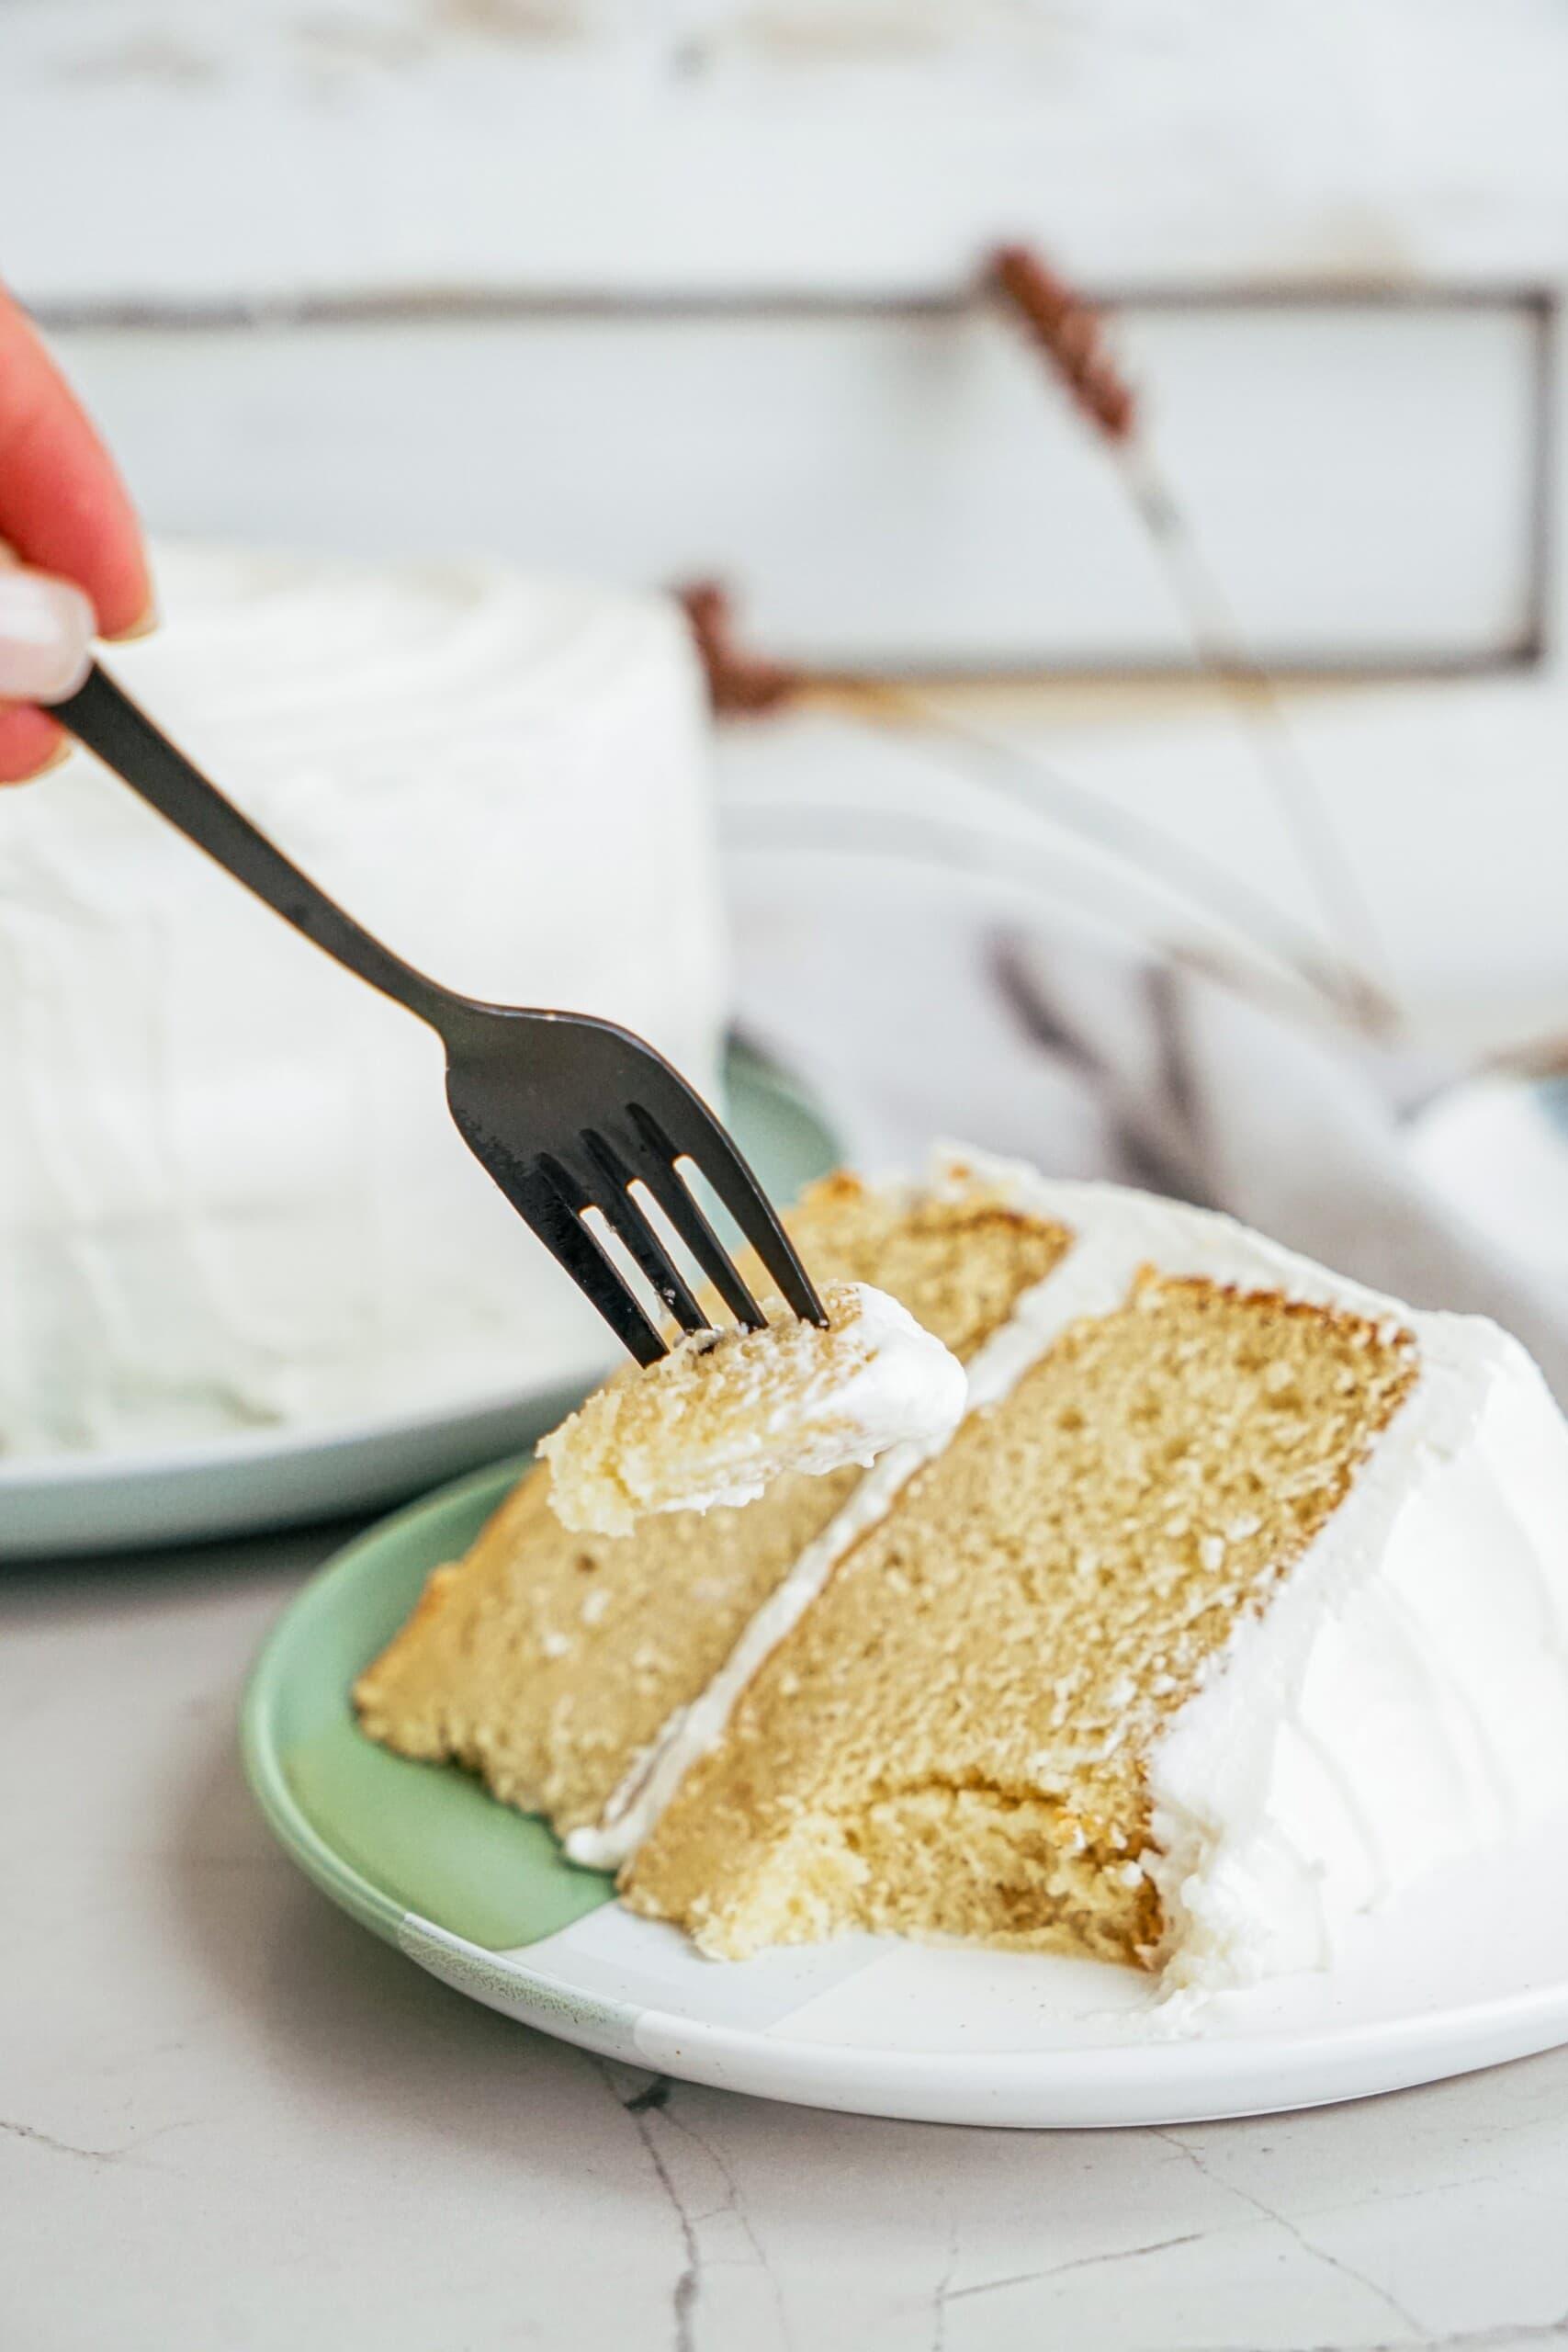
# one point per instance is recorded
(1537, 304)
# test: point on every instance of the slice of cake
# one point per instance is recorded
(1239, 1599)
(725, 1413)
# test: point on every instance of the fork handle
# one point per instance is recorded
(103, 717)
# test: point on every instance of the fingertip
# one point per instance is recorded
(122, 591)
(30, 744)
(146, 621)
(58, 755)
(63, 507)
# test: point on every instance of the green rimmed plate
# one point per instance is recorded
(485, 1900)
(377, 1833)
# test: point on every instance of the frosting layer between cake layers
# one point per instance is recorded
(229, 1192)
(1404, 1698)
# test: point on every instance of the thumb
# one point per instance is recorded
(46, 635)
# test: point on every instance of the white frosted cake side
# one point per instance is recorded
(231, 1194)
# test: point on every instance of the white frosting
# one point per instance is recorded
(908, 1387)
(1403, 1699)
(905, 1388)
(229, 1191)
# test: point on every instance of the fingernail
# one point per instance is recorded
(143, 625)
(46, 637)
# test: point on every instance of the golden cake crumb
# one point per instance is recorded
(1064, 1572)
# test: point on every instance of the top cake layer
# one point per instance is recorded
(229, 1193)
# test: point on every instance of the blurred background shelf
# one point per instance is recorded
(894, 488)
(646, 291)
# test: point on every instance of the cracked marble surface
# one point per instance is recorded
(227, 2118)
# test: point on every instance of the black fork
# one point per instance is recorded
(568, 1113)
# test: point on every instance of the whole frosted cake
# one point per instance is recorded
(229, 1192)
(1237, 1600)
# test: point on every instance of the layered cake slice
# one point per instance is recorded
(1237, 1600)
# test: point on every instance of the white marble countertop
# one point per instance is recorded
(229, 2118)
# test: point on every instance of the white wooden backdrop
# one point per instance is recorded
(898, 483)
(224, 149)
(885, 484)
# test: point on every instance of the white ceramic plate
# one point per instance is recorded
(1464, 1976)
(1471, 1969)
(281, 1478)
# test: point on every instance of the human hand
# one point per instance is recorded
(74, 568)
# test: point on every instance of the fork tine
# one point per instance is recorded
(655, 1157)
(719, 1161)
(607, 1187)
(550, 1212)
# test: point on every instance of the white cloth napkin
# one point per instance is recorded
(917, 1023)
(1290, 1129)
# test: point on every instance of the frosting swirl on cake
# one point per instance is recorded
(229, 1193)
